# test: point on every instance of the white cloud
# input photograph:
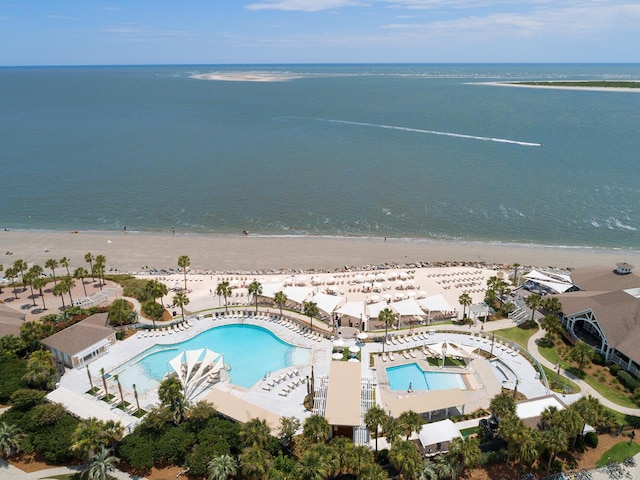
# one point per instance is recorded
(305, 5)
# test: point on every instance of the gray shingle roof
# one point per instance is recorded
(82, 335)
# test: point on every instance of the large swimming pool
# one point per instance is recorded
(401, 376)
(249, 350)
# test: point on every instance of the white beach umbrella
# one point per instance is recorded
(359, 277)
(275, 279)
(331, 280)
(387, 296)
(411, 283)
(402, 275)
(374, 298)
(411, 294)
(371, 277)
(399, 283)
(399, 295)
(381, 277)
(392, 275)
(422, 293)
(367, 285)
(301, 280)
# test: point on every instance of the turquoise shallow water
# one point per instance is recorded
(416, 151)
(249, 350)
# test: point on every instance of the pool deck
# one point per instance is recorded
(273, 402)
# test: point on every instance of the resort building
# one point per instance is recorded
(605, 313)
(83, 342)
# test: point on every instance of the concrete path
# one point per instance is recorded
(9, 472)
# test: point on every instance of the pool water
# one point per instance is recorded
(249, 350)
(401, 376)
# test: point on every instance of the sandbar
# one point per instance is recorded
(247, 77)
(131, 251)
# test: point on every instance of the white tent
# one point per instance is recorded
(375, 308)
(556, 282)
(270, 289)
(438, 432)
(298, 294)
(436, 303)
(327, 303)
(353, 309)
(407, 307)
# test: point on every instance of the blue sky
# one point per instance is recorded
(95, 32)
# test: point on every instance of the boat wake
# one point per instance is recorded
(433, 132)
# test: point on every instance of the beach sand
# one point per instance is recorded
(132, 251)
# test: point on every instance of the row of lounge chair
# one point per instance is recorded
(294, 374)
(175, 328)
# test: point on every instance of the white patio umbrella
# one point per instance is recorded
(363, 336)
(339, 343)
(354, 349)
(337, 356)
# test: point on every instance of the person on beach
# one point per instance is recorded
(173, 230)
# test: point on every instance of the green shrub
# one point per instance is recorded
(627, 380)
(11, 373)
(598, 358)
(614, 368)
(591, 439)
(497, 456)
(25, 398)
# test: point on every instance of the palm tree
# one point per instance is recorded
(11, 438)
(581, 353)
(287, 430)
(512, 430)
(222, 467)
(117, 379)
(255, 433)
(316, 429)
(556, 441)
(59, 291)
(181, 300)
(465, 301)
(88, 438)
(101, 264)
(52, 264)
(104, 383)
(373, 471)
(40, 283)
(502, 405)
(254, 463)
(358, 459)
(552, 305)
(528, 446)
(135, 394)
(223, 289)
(429, 471)
(118, 312)
(534, 302)
(100, 465)
(552, 325)
(41, 370)
(11, 274)
(171, 394)
(183, 262)
(157, 290)
(89, 259)
(405, 458)
(68, 283)
(515, 273)
(310, 310)
(29, 278)
(81, 273)
(465, 452)
(280, 299)
(374, 419)
(388, 317)
(313, 466)
(391, 430)
(409, 422)
(64, 262)
(20, 266)
(444, 468)
(590, 410)
(255, 289)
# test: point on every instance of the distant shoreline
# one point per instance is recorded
(247, 76)
(562, 86)
(131, 251)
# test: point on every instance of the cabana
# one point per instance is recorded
(479, 310)
(328, 303)
(298, 294)
(450, 349)
(406, 308)
(435, 437)
(353, 309)
(435, 303)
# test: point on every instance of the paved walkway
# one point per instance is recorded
(9, 472)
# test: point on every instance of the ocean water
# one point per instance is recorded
(410, 151)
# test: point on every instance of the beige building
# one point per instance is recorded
(83, 342)
(10, 321)
(605, 312)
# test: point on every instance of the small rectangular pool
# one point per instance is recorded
(402, 376)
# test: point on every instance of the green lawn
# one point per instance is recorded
(64, 476)
(516, 334)
(618, 453)
(556, 385)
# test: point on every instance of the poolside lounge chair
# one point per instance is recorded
(296, 372)
(392, 357)
(405, 354)
(385, 358)
(393, 341)
(189, 323)
(413, 354)
(284, 392)
(266, 387)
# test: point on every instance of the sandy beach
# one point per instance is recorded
(132, 251)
